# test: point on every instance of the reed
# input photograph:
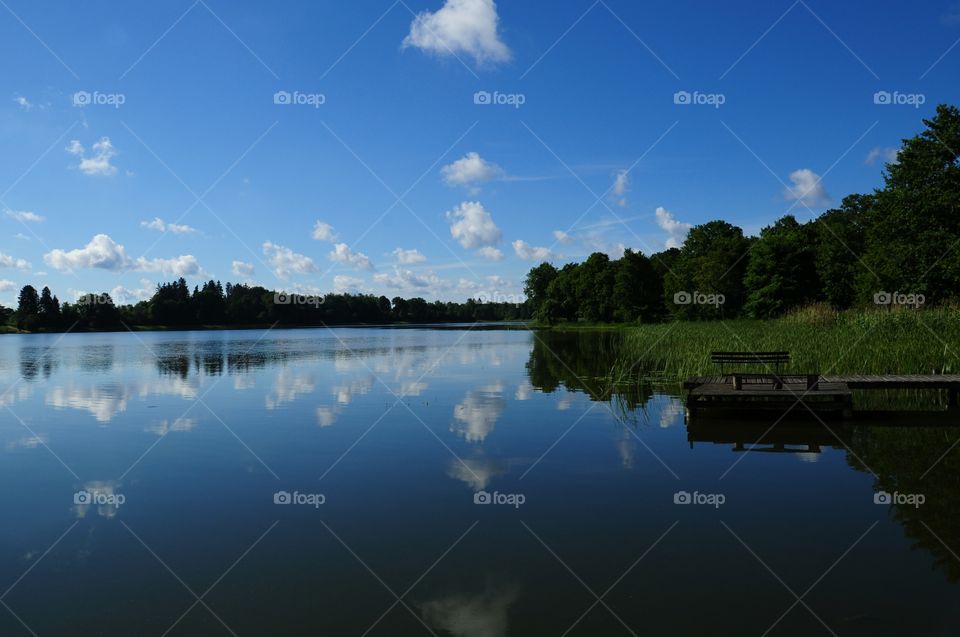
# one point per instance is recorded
(903, 341)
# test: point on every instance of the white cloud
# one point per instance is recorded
(408, 256)
(807, 188)
(23, 102)
(621, 186)
(403, 279)
(102, 252)
(563, 237)
(470, 170)
(124, 296)
(284, 261)
(342, 253)
(323, 232)
(343, 284)
(490, 253)
(676, 230)
(888, 155)
(472, 226)
(185, 265)
(99, 162)
(6, 285)
(160, 225)
(531, 253)
(242, 269)
(105, 254)
(7, 261)
(460, 26)
(25, 215)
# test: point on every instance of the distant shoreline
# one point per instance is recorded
(481, 325)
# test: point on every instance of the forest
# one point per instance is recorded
(897, 246)
(174, 305)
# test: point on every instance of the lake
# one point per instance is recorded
(460, 482)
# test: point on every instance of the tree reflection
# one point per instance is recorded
(587, 362)
(918, 460)
(35, 361)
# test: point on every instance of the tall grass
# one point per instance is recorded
(818, 339)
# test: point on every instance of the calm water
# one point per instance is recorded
(142, 473)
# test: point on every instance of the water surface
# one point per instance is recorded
(148, 471)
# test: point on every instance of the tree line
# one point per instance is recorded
(899, 244)
(174, 304)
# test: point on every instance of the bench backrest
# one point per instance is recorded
(748, 358)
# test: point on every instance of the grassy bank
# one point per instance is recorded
(818, 339)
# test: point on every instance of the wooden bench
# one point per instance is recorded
(765, 359)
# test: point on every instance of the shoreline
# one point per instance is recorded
(485, 325)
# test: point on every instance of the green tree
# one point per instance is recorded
(840, 238)
(562, 294)
(28, 308)
(637, 289)
(912, 240)
(49, 306)
(594, 288)
(535, 287)
(781, 273)
(713, 260)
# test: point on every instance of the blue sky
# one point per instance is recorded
(434, 148)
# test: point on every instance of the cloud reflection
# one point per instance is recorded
(480, 615)
(288, 386)
(328, 414)
(476, 415)
(475, 472)
(164, 427)
(103, 402)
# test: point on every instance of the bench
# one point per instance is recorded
(766, 359)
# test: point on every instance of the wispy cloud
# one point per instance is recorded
(160, 225)
(676, 230)
(25, 215)
(97, 163)
(888, 155)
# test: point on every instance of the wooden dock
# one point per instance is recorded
(744, 393)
